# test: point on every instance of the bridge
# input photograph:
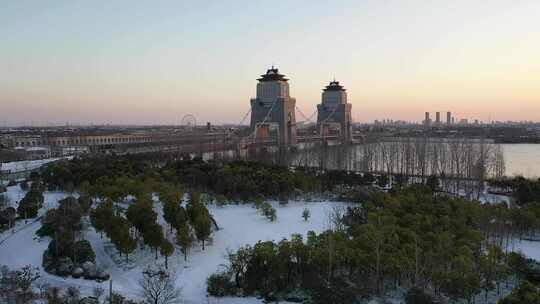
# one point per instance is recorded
(274, 109)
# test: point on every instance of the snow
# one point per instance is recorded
(25, 165)
(239, 225)
(491, 198)
(15, 194)
(530, 249)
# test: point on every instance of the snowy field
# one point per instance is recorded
(239, 225)
(25, 165)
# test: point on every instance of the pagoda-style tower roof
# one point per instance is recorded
(272, 74)
(334, 86)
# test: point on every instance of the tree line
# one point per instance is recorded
(412, 239)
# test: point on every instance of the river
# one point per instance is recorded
(522, 159)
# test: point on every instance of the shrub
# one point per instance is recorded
(306, 214)
(24, 185)
(84, 252)
(258, 203)
(524, 293)
(283, 199)
(220, 285)
(221, 200)
(27, 209)
(7, 216)
(268, 211)
(418, 296)
(85, 202)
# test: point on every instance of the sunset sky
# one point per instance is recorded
(151, 62)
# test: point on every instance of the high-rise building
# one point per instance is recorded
(426, 119)
(437, 118)
(448, 118)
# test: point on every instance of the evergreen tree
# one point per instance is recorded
(122, 238)
(166, 249)
(184, 238)
(203, 227)
(306, 214)
(153, 236)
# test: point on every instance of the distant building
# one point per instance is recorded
(448, 118)
(437, 118)
(35, 152)
(427, 121)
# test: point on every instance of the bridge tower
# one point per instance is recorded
(334, 113)
(273, 107)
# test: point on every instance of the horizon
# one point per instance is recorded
(138, 64)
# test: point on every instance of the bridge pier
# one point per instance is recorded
(273, 105)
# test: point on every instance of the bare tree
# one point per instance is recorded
(24, 279)
(158, 286)
(98, 292)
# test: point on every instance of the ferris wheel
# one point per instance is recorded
(188, 122)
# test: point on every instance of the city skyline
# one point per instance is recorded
(126, 63)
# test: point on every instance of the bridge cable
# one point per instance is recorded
(304, 116)
(264, 120)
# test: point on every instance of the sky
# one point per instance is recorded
(152, 62)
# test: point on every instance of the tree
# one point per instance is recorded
(8, 216)
(219, 285)
(166, 249)
(383, 180)
(24, 185)
(184, 238)
(464, 279)
(418, 296)
(97, 292)
(30, 204)
(121, 237)
(102, 216)
(153, 236)
(72, 295)
(158, 286)
(268, 211)
(141, 213)
(306, 214)
(433, 183)
(24, 278)
(3, 200)
(221, 200)
(194, 206)
(238, 263)
(524, 293)
(203, 227)
(258, 202)
(171, 204)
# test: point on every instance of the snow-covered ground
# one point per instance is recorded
(490, 198)
(25, 165)
(239, 225)
(15, 194)
(529, 248)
